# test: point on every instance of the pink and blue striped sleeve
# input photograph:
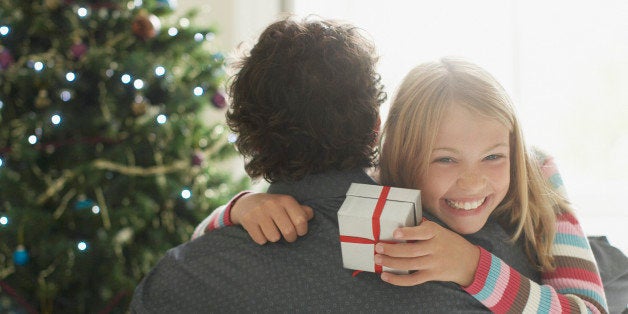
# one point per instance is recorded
(574, 286)
(219, 218)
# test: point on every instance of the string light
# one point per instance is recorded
(198, 91)
(185, 23)
(138, 3)
(4, 30)
(55, 119)
(82, 246)
(1, 104)
(125, 78)
(232, 138)
(65, 95)
(160, 71)
(173, 31)
(82, 12)
(210, 36)
(4, 220)
(70, 76)
(138, 84)
(1, 162)
(38, 66)
(198, 37)
(186, 194)
(161, 119)
(95, 209)
(32, 139)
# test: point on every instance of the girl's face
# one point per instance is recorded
(469, 170)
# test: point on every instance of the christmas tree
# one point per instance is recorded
(106, 156)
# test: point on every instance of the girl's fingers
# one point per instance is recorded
(403, 263)
(284, 222)
(412, 279)
(425, 231)
(414, 249)
(257, 235)
(269, 229)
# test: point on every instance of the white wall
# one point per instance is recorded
(235, 20)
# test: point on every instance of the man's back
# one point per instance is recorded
(225, 271)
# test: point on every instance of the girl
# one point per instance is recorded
(470, 162)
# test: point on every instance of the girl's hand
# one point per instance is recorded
(436, 253)
(266, 217)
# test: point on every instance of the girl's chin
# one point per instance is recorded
(466, 228)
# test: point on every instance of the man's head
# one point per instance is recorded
(306, 100)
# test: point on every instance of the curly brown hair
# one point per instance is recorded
(306, 100)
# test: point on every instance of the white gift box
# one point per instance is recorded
(358, 223)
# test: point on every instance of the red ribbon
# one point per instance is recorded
(377, 213)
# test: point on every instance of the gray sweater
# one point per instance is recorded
(225, 271)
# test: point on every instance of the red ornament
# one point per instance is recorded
(219, 100)
(145, 27)
(78, 50)
(6, 59)
(197, 159)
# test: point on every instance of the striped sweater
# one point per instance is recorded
(575, 286)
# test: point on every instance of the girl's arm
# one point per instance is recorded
(266, 217)
(574, 286)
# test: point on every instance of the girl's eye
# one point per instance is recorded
(493, 157)
(444, 160)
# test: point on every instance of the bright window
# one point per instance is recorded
(565, 64)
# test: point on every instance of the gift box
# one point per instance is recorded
(369, 215)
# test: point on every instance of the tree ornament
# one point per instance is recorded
(20, 256)
(145, 26)
(167, 4)
(52, 4)
(197, 159)
(77, 50)
(42, 100)
(6, 59)
(83, 203)
(219, 100)
(139, 106)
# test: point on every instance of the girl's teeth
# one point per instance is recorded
(466, 205)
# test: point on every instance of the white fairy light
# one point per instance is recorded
(198, 91)
(70, 76)
(82, 12)
(185, 23)
(138, 84)
(173, 31)
(55, 119)
(4, 30)
(186, 194)
(65, 95)
(38, 66)
(4, 220)
(160, 71)
(32, 139)
(82, 246)
(95, 209)
(198, 37)
(125, 78)
(161, 119)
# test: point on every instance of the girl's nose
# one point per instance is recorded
(471, 181)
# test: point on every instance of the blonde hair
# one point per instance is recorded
(530, 206)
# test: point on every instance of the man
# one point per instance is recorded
(305, 107)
